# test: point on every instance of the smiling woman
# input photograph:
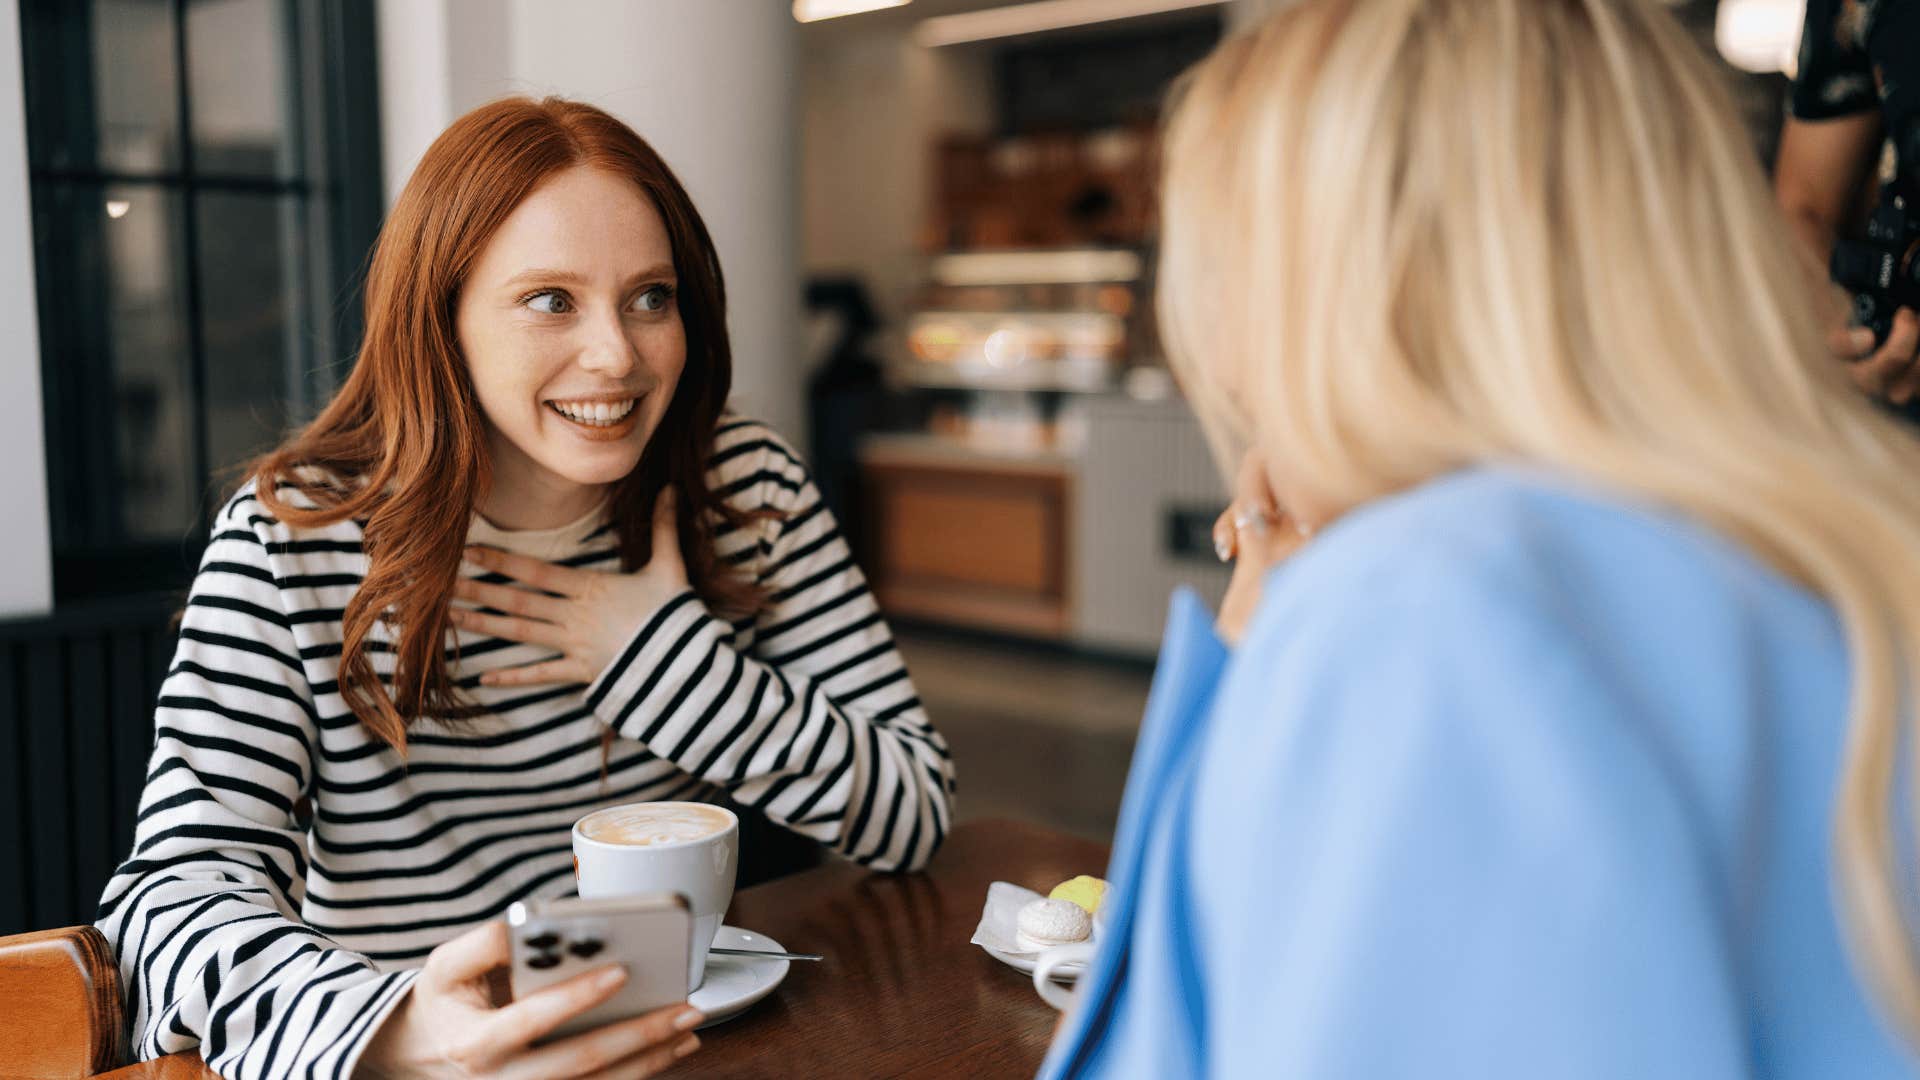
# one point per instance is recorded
(573, 341)
(522, 567)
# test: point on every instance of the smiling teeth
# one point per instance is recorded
(594, 413)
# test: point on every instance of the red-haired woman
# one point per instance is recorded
(521, 567)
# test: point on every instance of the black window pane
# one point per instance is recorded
(240, 83)
(136, 97)
(151, 371)
(102, 85)
(113, 318)
(252, 279)
(195, 296)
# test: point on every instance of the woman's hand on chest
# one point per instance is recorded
(587, 616)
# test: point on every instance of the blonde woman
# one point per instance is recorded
(1567, 745)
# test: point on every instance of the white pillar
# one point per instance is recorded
(712, 84)
(26, 582)
(416, 103)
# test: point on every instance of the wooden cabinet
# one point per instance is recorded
(967, 539)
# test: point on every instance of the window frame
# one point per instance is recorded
(334, 73)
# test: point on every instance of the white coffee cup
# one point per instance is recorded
(1052, 959)
(1054, 994)
(688, 848)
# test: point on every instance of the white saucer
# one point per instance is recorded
(1064, 973)
(735, 982)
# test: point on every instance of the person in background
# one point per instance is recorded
(1566, 743)
(1858, 83)
(523, 566)
(845, 394)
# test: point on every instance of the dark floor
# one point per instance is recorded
(1037, 733)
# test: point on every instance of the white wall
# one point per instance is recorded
(712, 84)
(26, 566)
(415, 87)
(874, 101)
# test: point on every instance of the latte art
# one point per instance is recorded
(687, 848)
(643, 825)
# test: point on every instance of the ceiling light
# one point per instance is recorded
(1042, 15)
(815, 10)
(117, 208)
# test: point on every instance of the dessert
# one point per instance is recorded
(1046, 923)
(1085, 890)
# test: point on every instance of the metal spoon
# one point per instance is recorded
(764, 954)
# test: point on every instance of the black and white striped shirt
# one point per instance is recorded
(277, 949)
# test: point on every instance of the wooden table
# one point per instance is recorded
(902, 991)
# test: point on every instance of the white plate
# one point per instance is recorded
(1065, 973)
(735, 982)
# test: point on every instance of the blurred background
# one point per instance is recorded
(937, 223)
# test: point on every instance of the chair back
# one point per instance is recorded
(60, 1008)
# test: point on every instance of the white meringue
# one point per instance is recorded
(1046, 923)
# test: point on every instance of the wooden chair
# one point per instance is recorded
(60, 1008)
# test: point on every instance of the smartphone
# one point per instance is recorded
(651, 933)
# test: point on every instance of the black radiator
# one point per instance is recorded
(77, 690)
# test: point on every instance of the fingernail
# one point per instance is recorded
(1223, 549)
(688, 1019)
(610, 978)
(687, 1046)
(1861, 339)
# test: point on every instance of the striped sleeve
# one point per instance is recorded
(204, 914)
(817, 724)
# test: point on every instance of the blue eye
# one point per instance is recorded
(548, 302)
(655, 299)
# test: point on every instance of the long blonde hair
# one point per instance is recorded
(1406, 236)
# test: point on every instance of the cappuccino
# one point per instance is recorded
(644, 825)
(687, 848)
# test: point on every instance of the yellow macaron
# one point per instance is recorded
(1085, 890)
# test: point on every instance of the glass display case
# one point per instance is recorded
(999, 342)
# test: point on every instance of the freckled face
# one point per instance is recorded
(572, 335)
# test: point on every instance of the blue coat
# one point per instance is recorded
(1508, 778)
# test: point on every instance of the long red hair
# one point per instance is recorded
(402, 447)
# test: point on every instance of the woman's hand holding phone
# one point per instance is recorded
(447, 1026)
